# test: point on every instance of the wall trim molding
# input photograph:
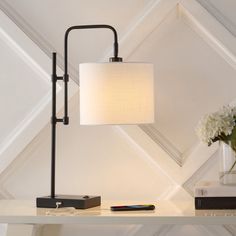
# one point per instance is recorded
(41, 42)
(207, 27)
(39, 115)
(229, 25)
(164, 143)
(189, 184)
(153, 15)
(211, 30)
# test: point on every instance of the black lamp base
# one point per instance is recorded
(76, 201)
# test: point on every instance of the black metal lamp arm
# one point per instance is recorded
(65, 78)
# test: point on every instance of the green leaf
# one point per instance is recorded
(231, 139)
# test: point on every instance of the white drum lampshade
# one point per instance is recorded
(116, 93)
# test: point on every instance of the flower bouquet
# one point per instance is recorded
(221, 126)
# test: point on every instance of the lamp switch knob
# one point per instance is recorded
(86, 196)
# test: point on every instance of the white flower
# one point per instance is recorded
(217, 126)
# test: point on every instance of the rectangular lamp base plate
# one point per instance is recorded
(76, 201)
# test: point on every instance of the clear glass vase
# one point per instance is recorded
(227, 174)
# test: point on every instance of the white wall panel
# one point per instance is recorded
(91, 160)
(224, 11)
(89, 45)
(18, 83)
(208, 171)
(25, 91)
(189, 77)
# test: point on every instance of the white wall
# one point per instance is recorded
(190, 52)
(90, 160)
(224, 11)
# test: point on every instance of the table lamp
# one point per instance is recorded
(110, 93)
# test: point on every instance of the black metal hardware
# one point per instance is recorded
(115, 59)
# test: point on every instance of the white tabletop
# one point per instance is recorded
(166, 212)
